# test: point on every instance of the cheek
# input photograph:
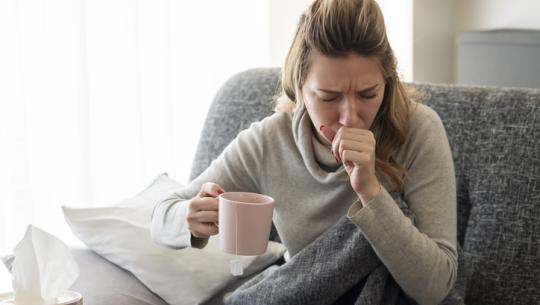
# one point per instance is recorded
(373, 112)
(312, 108)
(322, 114)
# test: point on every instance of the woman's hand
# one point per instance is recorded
(355, 148)
(202, 216)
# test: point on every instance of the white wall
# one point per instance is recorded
(422, 32)
(284, 16)
(398, 18)
(495, 14)
(433, 41)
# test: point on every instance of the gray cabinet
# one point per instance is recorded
(507, 58)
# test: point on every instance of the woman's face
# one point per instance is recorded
(345, 91)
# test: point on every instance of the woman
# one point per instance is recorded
(346, 135)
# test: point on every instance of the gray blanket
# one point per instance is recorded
(340, 267)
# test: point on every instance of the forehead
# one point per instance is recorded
(337, 72)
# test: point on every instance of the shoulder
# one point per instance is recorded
(268, 130)
(421, 117)
(279, 122)
(425, 133)
(424, 124)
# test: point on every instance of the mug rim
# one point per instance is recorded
(267, 199)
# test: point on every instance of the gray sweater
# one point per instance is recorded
(280, 156)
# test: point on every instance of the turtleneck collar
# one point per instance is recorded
(317, 157)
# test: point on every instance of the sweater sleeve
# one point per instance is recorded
(234, 170)
(422, 257)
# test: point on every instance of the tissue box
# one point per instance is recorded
(67, 298)
(7, 297)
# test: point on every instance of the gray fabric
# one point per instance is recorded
(322, 273)
(245, 98)
(340, 267)
(494, 135)
(217, 299)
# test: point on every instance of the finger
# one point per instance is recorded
(357, 158)
(204, 230)
(361, 135)
(210, 189)
(206, 216)
(204, 204)
(327, 133)
(355, 146)
(335, 144)
(352, 134)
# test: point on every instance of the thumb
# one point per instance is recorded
(328, 133)
(211, 189)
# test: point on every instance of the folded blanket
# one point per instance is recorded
(340, 267)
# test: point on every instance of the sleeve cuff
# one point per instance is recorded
(376, 217)
(169, 229)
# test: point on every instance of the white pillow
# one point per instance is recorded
(121, 234)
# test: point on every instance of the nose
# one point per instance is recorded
(349, 113)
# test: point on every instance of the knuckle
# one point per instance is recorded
(192, 205)
(205, 186)
(365, 158)
(208, 229)
(190, 217)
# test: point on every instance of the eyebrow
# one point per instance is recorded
(365, 90)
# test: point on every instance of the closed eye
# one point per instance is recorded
(367, 95)
(328, 99)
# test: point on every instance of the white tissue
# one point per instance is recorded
(5, 279)
(43, 268)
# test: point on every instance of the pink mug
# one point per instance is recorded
(245, 220)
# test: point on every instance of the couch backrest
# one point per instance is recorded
(495, 137)
(245, 98)
(494, 134)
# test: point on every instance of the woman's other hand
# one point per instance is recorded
(202, 216)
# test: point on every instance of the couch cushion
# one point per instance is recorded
(495, 137)
(102, 282)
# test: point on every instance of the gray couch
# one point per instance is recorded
(495, 138)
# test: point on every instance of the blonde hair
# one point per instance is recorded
(336, 28)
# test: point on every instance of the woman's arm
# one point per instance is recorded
(234, 170)
(422, 257)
